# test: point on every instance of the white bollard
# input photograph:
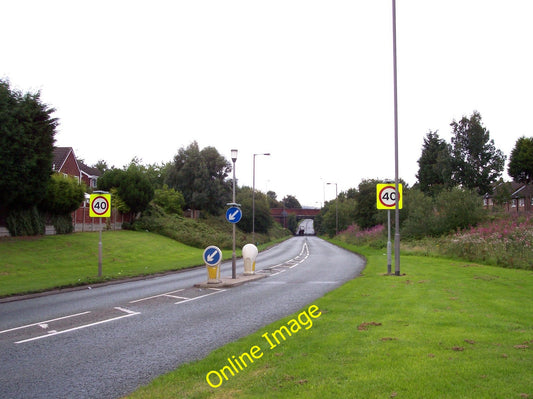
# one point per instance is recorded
(249, 254)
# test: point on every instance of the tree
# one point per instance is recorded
(434, 165)
(521, 161)
(290, 201)
(272, 200)
(63, 195)
(477, 163)
(27, 132)
(366, 212)
(263, 219)
(133, 187)
(201, 177)
(170, 200)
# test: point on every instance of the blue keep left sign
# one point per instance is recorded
(212, 255)
(234, 214)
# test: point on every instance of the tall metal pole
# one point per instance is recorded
(389, 258)
(100, 251)
(233, 255)
(396, 174)
(253, 202)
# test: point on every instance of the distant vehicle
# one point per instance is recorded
(305, 228)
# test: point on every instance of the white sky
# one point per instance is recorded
(309, 81)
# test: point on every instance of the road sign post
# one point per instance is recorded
(386, 199)
(233, 215)
(100, 207)
(212, 257)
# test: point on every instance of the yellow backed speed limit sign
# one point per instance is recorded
(100, 205)
(386, 196)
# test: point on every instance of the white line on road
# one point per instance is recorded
(44, 322)
(201, 296)
(156, 296)
(50, 333)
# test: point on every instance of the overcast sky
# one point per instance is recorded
(311, 82)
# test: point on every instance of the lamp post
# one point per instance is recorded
(233, 256)
(253, 198)
(336, 210)
(396, 174)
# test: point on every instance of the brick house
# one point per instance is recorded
(510, 196)
(66, 163)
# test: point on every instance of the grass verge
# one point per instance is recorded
(446, 329)
(41, 263)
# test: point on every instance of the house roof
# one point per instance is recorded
(60, 156)
(525, 191)
(88, 170)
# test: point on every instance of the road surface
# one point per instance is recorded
(105, 342)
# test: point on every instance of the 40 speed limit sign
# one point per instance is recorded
(386, 196)
(100, 205)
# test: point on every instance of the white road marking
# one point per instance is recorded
(53, 332)
(43, 322)
(201, 296)
(156, 296)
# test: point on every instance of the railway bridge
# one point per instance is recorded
(281, 215)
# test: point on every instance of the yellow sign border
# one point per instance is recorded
(107, 212)
(380, 187)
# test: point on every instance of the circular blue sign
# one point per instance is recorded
(234, 214)
(212, 255)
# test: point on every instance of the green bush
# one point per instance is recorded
(25, 222)
(450, 211)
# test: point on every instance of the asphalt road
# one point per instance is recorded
(105, 342)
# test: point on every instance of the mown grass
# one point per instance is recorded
(445, 329)
(41, 263)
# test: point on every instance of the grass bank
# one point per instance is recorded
(36, 264)
(447, 329)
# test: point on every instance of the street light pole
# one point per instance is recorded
(233, 255)
(336, 210)
(253, 199)
(396, 174)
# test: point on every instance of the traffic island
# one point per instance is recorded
(228, 282)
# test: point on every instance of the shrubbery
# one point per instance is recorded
(449, 211)
(198, 233)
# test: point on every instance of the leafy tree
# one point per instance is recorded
(421, 216)
(133, 187)
(366, 212)
(170, 200)
(290, 201)
(272, 200)
(476, 161)
(521, 161)
(263, 219)
(458, 209)
(450, 210)
(63, 195)
(200, 176)
(102, 166)
(27, 132)
(434, 165)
